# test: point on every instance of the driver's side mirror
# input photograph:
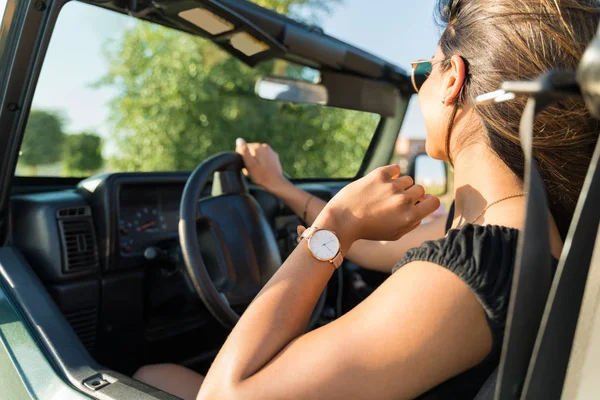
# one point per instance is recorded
(430, 173)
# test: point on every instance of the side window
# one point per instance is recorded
(2, 7)
(119, 94)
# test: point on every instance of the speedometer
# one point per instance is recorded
(139, 228)
(148, 216)
(148, 220)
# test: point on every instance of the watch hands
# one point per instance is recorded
(325, 244)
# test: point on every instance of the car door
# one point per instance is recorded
(24, 369)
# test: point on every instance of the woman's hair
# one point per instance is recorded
(507, 40)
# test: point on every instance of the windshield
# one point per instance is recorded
(119, 94)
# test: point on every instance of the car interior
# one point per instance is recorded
(122, 269)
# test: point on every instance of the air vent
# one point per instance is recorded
(78, 239)
(85, 324)
(74, 212)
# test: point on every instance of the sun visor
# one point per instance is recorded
(207, 20)
(224, 26)
(248, 44)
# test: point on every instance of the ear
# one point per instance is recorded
(455, 79)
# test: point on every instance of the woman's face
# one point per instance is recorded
(432, 96)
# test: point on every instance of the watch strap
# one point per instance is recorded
(308, 232)
(337, 260)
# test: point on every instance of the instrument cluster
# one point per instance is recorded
(148, 215)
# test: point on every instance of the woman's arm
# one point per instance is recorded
(376, 255)
(399, 342)
(265, 170)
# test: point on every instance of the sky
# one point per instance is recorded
(396, 30)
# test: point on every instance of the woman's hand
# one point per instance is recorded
(262, 164)
(380, 206)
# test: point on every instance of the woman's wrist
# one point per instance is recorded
(333, 220)
(279, 186)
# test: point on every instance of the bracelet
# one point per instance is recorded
(304, 214)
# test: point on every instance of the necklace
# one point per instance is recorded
(512, 196)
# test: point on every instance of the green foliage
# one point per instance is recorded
(82, 154)
(308, 10)
(43, 139)
(182, 99)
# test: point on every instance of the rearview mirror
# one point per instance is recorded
(335, 90)
(290, 90)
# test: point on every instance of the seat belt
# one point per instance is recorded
(533, 365)
(543, 310)
(487, 391)
(546, 375)
(552, 350)
(532, 276)
(550, 357)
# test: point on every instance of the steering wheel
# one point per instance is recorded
(228, 246)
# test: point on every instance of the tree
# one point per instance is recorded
(82, 154)
(308, 10)
(182, 99)
(42, 143)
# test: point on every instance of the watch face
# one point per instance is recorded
(324, 245)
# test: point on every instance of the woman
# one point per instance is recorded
(436, 325)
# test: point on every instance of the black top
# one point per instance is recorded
(483, 257)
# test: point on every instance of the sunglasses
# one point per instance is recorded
(421, 70)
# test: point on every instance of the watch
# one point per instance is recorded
(324, 245)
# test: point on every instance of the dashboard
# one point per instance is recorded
(87, 244)
(148, 215)
(126, 213)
